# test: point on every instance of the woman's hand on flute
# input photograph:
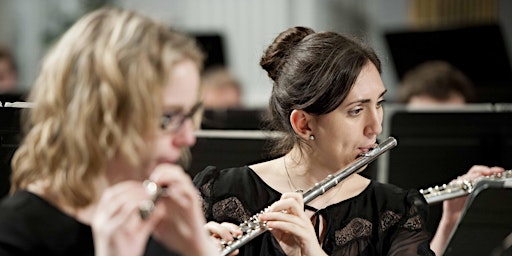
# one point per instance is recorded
(116, 224)
(452, 209)
(291, 226)
(223, 233)
(182, 227)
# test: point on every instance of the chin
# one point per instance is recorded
(362, 169)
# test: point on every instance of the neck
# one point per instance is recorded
(306, 169)
(303, 174)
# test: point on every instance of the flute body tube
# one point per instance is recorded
(460, 187)
(332, 180)
(254, 227)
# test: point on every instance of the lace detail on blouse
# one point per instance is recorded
(230, 208)
(356, 229)
(360, 228)
(206, 190)
(413, 223)
(389, 218)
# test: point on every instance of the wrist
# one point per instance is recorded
(449, 219)
(316, 251)
(204, 246)
(447, 223)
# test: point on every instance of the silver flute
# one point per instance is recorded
(460, 187)
(254, 227)
(156, 192)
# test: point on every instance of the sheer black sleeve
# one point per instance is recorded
(204, 181)
(412, 238)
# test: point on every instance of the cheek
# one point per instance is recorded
(345, 137)
(158, 146)
(164, 148)
(163, 143)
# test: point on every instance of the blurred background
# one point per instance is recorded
(473, 35)
(236, 32)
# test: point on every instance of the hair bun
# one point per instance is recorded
(275, 55)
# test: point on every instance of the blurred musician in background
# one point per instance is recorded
(113, 107)
(435, 83)
(220, 89)
(8, 71)
(439, 84)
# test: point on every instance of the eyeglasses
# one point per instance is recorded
(173, 121)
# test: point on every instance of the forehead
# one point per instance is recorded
(182, 89)
(368, 85)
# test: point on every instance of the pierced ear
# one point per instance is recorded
(300, 121)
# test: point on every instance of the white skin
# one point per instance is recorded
(422, 101)
(177, 221)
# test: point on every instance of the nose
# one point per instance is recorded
(374, 123)
(185, 136)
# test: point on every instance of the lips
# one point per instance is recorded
(166, 162)
(366, 149)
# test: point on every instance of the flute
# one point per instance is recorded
(156, 192)
(254, 227)
(458, 188)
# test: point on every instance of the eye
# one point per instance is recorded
(355, 112)
(173, 120)
(380, 103)
(169, 119)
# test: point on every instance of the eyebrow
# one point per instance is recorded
(362, 101)
(181, 109)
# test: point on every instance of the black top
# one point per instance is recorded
(29, 225)
(381, 220)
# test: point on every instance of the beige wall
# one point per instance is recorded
(248, 27)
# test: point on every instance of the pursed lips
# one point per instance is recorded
(366, 149)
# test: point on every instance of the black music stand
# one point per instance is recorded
(233, 119)
(485, 222)
(10, 136)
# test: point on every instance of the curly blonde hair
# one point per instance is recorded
(98, 96)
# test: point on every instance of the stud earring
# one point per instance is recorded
(311, 137)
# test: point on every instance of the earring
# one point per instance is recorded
(311, 137)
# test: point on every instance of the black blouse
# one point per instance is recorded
(381, 220)
(29, 225)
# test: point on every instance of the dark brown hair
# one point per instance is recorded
(313, 72)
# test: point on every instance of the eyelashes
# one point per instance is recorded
(358, 109)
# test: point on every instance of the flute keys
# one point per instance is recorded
(146, 208)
